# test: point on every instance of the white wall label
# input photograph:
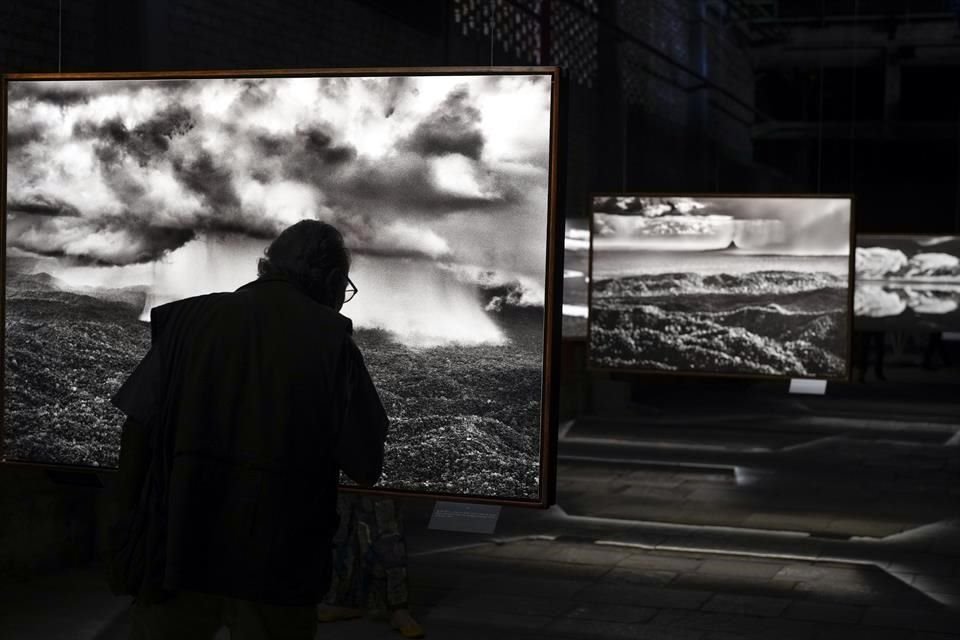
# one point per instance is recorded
(464, 516)
(810, 387)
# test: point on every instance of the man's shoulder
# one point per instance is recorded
(274, 292)
(169, 309)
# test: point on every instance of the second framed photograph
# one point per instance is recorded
(755, 286)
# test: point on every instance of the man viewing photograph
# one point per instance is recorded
(239, 420)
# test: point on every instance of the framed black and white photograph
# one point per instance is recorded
(908, 282)
(576, 250)
(721, 285)
(127, 191)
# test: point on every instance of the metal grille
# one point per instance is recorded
(576, 36)
(643, 76)
(515, 27)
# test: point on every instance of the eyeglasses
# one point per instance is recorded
(350, 292)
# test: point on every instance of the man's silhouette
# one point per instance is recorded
(238, 422)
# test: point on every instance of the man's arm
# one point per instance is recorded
(134, 460)
(140, 398)
(364, 429)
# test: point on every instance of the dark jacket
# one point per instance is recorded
(252, 401)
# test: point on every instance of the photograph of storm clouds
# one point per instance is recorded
(907, 282)
(124, 194)
(752, 286)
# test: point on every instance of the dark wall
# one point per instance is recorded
(46, 523)
(866, 104)
(31, 38)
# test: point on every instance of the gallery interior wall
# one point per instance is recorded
(697, 95)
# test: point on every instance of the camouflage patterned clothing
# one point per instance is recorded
(370, 556)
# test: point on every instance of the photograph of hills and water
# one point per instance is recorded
(908, 282)
(124, 194)
(576, 254)
(753, 286)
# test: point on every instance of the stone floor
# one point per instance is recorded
(551, 575)
(833, 483)
(568, 577)
(816, 528)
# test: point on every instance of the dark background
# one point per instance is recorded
(737, 96)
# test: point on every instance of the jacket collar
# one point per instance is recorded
(272, 278)
(281, 279)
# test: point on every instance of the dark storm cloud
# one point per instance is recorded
(49, 92)
(145, 142)
(121, 182)
(261, 176)
(372, 236)
(43, 206)
(158, 131)
(213, 181)
(111, 129)
(451, 128)
(317, 143)
(22, 135)
(367, 249)
(209, 179)
(105, 241)
(314, 156)
(73, 93)
(155, 241)
(396, 87)
(649, 207)
(254, 94)
(250, 156)
(269, 144)
(495, 83)
(311, 154)
(406, 183)
(334, 88)
(260, 228)
(109, 155)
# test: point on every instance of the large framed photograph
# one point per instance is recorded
(907, 282)
(755, 286)
(127, 191)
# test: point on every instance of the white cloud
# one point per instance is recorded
(397, 237)
(455, 174)
(285, 201)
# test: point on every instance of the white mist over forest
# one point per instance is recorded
(420, 302)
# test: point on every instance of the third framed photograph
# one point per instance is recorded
(745, 285)
(907, 282)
